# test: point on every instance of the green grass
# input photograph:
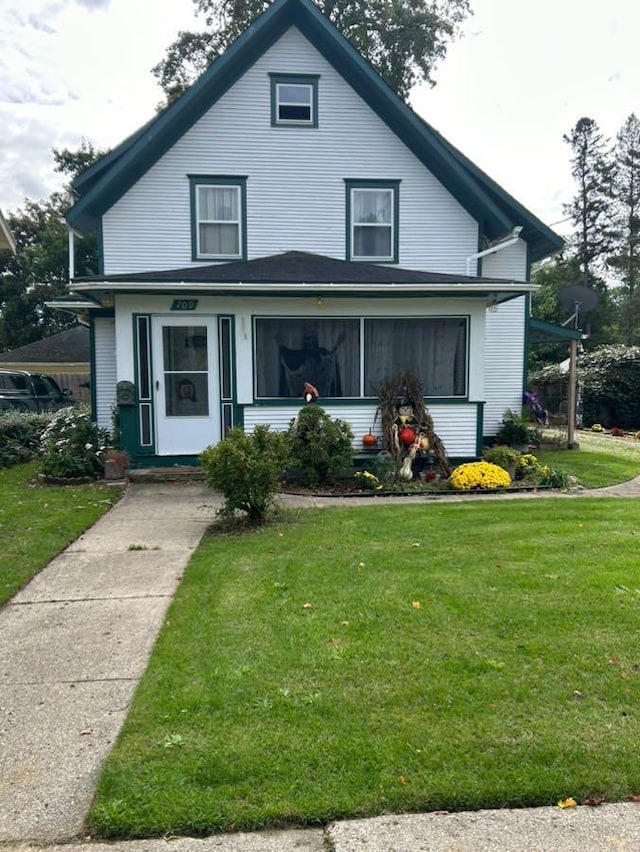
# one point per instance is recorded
(355, 661)
(601, 460)
(36, 523)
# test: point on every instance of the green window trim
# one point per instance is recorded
(301, 110)
(353, 187)
(239, 220)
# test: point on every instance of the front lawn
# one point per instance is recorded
(355, 661)
(37, 522)
(601, 460)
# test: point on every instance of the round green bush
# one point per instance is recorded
(248, 469)
(319, 446)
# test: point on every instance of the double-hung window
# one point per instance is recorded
(372, 220)
(218, 215)
(294, 100)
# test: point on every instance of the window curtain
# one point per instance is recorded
(371, 216)
(292, 351)
(433, 349)
(217, 206)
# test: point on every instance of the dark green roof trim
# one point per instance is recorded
(549, 331)
(495, 211)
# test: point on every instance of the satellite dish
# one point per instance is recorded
(577, 299)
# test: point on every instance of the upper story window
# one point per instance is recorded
(294, 100)
(372, 220)
(218, 217)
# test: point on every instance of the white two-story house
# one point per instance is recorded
(290, 219)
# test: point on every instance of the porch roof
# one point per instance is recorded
(296, 272)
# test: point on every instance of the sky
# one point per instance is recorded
(519, 77)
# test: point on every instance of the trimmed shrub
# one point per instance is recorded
(319, 445)
(20, 436)
(73, 445)
(505, 457)
(248, 469)
(515, 431)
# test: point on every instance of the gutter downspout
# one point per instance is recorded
(511, 240)
(72, 254)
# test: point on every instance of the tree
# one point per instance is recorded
(625, 259)
(590, 210)
(600, 324)
(403, 39)
(39, 270)
(72, 163)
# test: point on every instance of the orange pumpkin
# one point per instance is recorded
(369, 440)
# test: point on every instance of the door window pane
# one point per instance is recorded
(186, 378)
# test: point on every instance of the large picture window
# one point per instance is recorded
(218, 213)
(433, 348)
(292, 351)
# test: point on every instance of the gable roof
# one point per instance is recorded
(102, 184)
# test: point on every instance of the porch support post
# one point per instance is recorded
(571, 395)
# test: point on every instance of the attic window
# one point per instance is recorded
(294, 100)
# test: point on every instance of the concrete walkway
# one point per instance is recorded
(75, 642)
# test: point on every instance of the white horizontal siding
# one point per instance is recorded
(509, 263)
(504, 362)
(455, 425)
(295, 178)
(105, 369)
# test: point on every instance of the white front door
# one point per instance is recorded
(186, 384)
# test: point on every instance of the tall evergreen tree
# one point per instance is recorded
(403, 40)
(591, 208)
(625, 257)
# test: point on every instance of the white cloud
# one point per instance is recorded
(507, 92)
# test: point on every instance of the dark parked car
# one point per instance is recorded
(25, 391)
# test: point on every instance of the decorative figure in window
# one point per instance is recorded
(186, 402)
(310, 363)
(310, 393)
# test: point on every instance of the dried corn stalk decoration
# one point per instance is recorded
(404, 390)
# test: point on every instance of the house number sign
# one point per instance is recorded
(184, 304)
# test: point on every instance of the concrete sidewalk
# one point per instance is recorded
(74, 644)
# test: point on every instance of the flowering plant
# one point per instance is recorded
(72, 445)
(617, 432)
(597, 427)
(481, 475)
(367, 480)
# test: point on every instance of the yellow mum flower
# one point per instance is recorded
(481, 474)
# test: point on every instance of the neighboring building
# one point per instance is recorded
(289, 219)
(64, 356)
(7, 243)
